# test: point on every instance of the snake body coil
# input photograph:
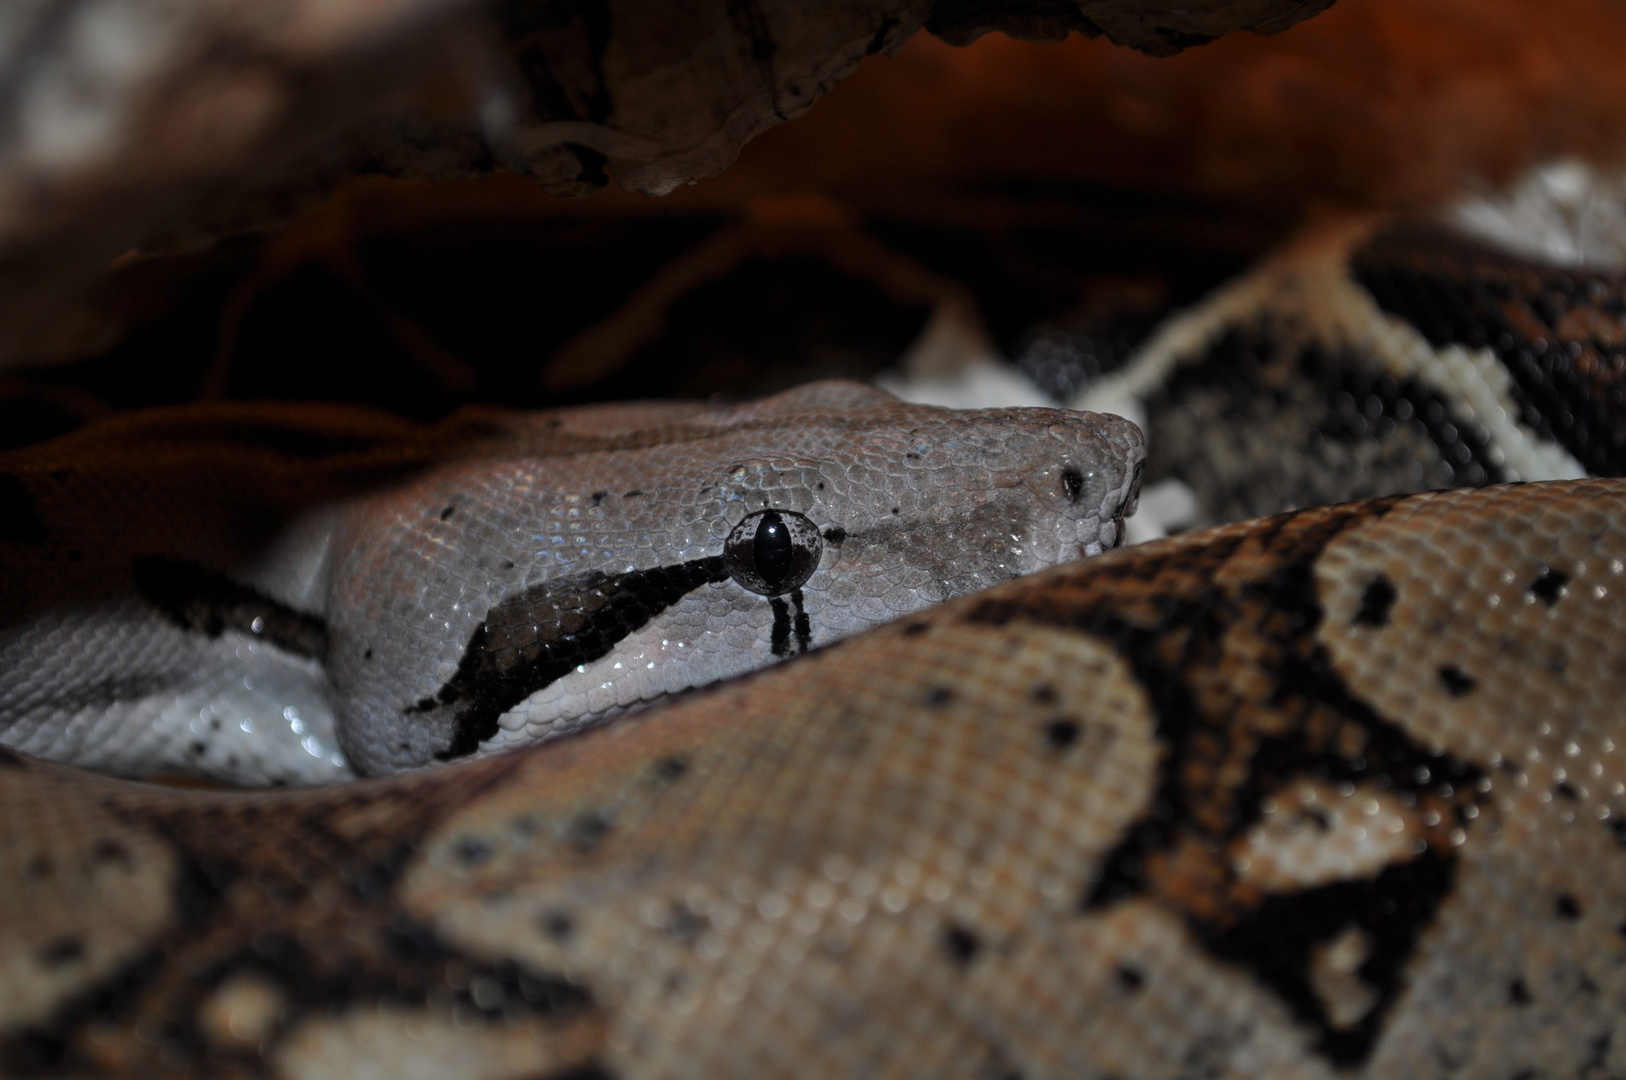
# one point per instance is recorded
(1336, 792)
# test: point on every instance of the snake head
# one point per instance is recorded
(502, 601)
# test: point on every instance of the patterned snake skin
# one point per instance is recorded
(259, 584)
(1333, 793)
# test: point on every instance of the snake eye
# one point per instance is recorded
(773, 552)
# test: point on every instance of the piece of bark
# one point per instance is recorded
(160, 125)
(1159, 29)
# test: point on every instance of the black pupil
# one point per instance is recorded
(772, 550)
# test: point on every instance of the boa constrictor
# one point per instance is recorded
(1334, 792)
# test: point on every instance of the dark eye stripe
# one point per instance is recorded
(537, 636)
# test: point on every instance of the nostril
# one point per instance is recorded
(1072, 484)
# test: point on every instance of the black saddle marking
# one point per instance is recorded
(1301, 723)
(208, 602)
